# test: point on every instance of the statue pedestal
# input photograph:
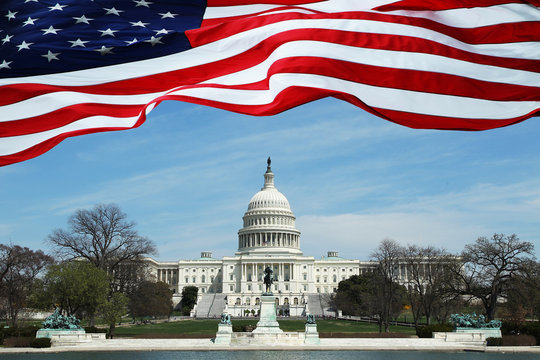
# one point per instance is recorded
(66, 337)
(267, 323)
(487, 332)
(48, 333)
(312, 335)
(224, 334)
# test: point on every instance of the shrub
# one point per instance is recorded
(518, 340)
(239, 328)
(29, 331)
(26, 331)
(5, 333)
(511, 328)
(492, 341)
(93, 329)
(18, 341)
(527, 328)
(41, 343)
(533, 328)
(428, 330)
(27, 341)
(186, 311)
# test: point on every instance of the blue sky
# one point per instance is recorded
(186, 177)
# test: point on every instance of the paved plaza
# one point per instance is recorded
(367, 344)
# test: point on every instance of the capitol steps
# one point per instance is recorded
(218, 306)
(210, 305)
(204, 305)
(319, 306)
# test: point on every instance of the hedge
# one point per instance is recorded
(428, 330)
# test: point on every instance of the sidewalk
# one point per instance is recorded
(394, 344)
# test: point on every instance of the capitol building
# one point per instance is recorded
(268, 238)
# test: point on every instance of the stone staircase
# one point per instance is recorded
(318, 306)
(210, 305)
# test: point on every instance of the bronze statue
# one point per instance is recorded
(59, 321)
(225, 319)
(268, 281)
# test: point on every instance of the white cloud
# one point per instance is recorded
(356, 236)
(446, 220)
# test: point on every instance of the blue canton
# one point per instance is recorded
(53, 36)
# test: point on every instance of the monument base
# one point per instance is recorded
(312, 335)
(224, 334)
(48, 333)
(282, 338)
(267, 323)
(65, 337)
(470, 335)
(487, 332)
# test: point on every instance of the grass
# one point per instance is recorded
(207, 327)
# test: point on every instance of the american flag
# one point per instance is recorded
(73, 67)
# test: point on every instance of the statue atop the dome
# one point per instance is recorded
(269, 162)
(268, 279)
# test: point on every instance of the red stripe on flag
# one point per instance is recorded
(492, 34)
(65, 116)
(256, 15)
(437, 5)
(419, 121)
(215, 3)
(288, 99)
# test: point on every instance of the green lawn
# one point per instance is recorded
(210, 327)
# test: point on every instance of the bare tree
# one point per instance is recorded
(489, 265)
(388, 256)
(523, 295)
(428, 272)
(19, 267)
(105, 237)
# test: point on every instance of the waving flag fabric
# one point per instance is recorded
(72, 67)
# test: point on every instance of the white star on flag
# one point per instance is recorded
(108, 32)
(57, 7)
(50, 30)
(105, 50)
(138, 23)
(113, 11)
(167, 15)
(30, 21)
(11, 15)
(77, 42)
(51, 56)
(82, 19)
(24, 45)
(142, 3)
(154, 40)
(5, 64)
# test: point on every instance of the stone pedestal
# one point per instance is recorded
(224, 334)
(312, 335)
(267, 323)
(48, 333)
(64, 337)
(486, 332)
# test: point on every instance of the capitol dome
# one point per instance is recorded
(269, 197)
(269, 223)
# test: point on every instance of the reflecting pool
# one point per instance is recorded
(270, 355)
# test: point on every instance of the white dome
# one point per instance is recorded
(269, 198)
(269, 223)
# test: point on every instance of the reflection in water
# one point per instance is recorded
(268, 355)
